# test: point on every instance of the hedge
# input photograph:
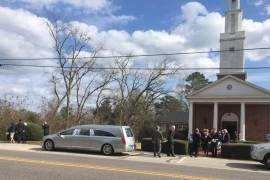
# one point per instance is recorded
(236, 151)
(180, 146)
(34, 132)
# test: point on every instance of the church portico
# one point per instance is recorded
(219, 115)
(248, 120)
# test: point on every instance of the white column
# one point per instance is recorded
(190, 122)
(242, 135)
(215, 119)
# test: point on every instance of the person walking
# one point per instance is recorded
(156, 140)
(196, 136)
(20, 130)
(170, 143)
(46, 129)
(11, 131)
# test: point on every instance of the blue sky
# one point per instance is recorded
(130, 26)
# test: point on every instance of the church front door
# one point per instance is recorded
(231, 127)
(230, 122)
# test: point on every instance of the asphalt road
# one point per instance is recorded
(15, 165)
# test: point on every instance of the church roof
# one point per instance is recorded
(230, 87)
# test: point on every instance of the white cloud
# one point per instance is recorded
(259, 2)
(257, 36)
(268, 9)
(265, 4)
(192, 10)
(121, 19)
(24, 35)
(99, 12)
(95, 5)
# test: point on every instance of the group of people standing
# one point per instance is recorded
(18, 132)
(157, 139)
(210, 141)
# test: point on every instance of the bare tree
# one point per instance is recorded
(136, 87)
(87, 86)
(69, 43)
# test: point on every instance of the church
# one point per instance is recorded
(231, 102)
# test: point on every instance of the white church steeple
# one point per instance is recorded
(232, 42)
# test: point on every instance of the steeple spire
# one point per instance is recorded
(234, 4)
(233, 17)
(232, 42)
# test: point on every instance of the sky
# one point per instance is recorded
(126, 27)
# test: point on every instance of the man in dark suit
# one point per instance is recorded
(156, 140)
(170, 143)
(214, 142)
(20, 131)
(196, 136)
(45, 128)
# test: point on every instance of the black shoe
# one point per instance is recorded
(159, 156)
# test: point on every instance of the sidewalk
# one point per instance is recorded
(147, 157)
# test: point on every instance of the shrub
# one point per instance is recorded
(180, 147)
(34, 132)
(236, 151)
(180, 135)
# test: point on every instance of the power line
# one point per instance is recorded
(138, 55)
(133, 68)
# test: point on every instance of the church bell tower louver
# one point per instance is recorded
(232, 43)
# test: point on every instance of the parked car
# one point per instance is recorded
(261, 153)
(103, 138)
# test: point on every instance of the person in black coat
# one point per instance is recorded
(46, 129)
(206, 140)
(196, 137)
(20, 131)
(156, 140)
(226, 138)
(215, 138)
(170, 143)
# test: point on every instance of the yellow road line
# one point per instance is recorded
(102, 168)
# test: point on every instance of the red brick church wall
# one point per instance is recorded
(203, 116)
(257, 122)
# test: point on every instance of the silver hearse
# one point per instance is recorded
(107, 139)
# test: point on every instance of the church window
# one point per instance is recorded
(231, 49)
(229, 86)
(234, 5)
